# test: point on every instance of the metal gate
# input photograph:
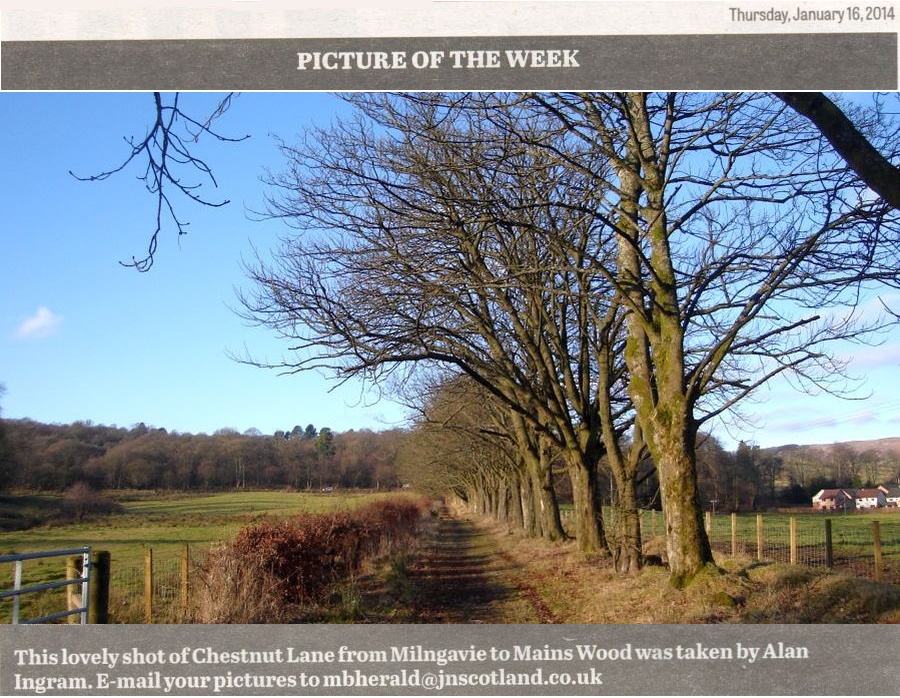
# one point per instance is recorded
(77, 602)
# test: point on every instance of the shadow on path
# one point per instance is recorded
(457, 577)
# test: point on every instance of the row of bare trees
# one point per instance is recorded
(601, 274)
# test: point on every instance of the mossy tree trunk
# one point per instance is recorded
(586, 503)
(654, 345)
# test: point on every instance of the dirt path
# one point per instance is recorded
(458, 575)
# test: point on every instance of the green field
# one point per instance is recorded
(852, 537)
(810, 526)
(163, 523)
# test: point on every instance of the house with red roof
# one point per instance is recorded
(870, 499)
(833, 500)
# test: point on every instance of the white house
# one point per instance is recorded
(870, 499)
(892, 496)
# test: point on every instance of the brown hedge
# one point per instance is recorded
(309, 552)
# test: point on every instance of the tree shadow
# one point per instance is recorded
(455, 579)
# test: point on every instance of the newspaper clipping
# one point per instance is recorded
(590, 309)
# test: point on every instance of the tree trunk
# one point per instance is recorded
(627, 551)
(516, 514)
(687, 544)
(548, 508)
(530, 524)
(490, 500)
(588, 512)
(503, 501)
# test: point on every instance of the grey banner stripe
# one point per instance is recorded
(413, 660)
(767, 61)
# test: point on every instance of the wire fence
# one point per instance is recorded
(156, 590)
(159, 589)
(864, 545)
(855, 544)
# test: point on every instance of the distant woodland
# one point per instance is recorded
(53, 458)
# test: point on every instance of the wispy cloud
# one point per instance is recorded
(881, 411)
(42, 324)
(877, 357)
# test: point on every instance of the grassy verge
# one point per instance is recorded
(577, 589)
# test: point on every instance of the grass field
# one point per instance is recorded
(810, 526)
(853, 540)
(852, 537)
(162, 523)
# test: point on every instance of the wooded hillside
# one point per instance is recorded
(38, 456)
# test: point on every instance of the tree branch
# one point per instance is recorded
(167, 151)
(872, 167)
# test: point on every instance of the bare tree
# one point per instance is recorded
(745, 243)
(451, 243)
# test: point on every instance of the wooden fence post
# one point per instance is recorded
(829, 545)
(734, 542)
(98, 591)
(876, 539)
(760, 537)
(793, 540)
(708, 517)
(73, 597)
(148, 585)
(185, 578)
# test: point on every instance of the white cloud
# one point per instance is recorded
(877, 357)
(42, 324)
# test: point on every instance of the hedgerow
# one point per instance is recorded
(274, 565)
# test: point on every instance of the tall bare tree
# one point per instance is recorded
(450, 242)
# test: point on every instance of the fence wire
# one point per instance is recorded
(852, 549)
(853, 545)
(128, 599)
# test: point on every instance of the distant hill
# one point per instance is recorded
(875, 461)
(888, 449)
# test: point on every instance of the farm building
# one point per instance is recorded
(870, 499)
(892, 497)
(833, 500)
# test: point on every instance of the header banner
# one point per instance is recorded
(700, 62)
(478, 45)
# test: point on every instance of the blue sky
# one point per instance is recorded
(83, 338)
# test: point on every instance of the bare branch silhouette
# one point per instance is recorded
(168, 163)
